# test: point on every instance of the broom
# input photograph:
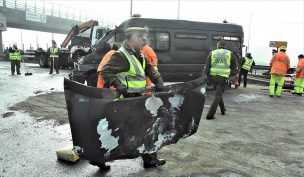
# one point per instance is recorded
(27, 73)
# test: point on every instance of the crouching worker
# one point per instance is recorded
(128, 68)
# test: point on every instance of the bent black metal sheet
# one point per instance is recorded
(105, 128)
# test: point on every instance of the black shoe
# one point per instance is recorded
(244, 86)
(223, 111)
(18, 73)
(13, 74)
(57, 72)
(299, 94)
(154, 163)
(271, 95)
(50, 73)
(102, 166)
(210, 118)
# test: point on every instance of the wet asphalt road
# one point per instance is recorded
(257, 137)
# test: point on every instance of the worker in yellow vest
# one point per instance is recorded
(127, 70)
(246, 66)
(220, 64)
(54, 57)
(15, 57)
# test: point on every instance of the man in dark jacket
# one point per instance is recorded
(246, 65)
(220, 64)
(126, 70)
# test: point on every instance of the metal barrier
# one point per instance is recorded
(55, 10)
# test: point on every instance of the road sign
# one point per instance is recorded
(36, 17)
(277, 44)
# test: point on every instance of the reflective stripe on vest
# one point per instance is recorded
(15, 56)
(283, 61)
(135, 77)
(278, 69)
(248, 63)
(220, 63)
(53, 53)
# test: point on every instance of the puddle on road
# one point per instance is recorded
(249, 97)
(49, 106)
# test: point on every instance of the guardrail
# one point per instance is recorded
(56, 10)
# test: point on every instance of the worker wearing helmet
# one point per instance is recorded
(54, 57)
(246, 65)
(220, 64)
(15, 57)
(299, 82)
(279, 65)
(126, 70)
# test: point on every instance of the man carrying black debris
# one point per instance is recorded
(127, 70)
(220, 64)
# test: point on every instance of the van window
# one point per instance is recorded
(190, 36)
(162, 41)
(226, 38)
(190, 42)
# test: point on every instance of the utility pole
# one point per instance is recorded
(178, 8)
(249, 32)
(131, 6)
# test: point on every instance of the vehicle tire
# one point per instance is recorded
(92, 80)
(64, 60)
(43, 61)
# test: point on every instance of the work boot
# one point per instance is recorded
(18, 73)
(299, 94)
(102, 166)
(210, 117)
(271, 95)
(223, 111)
(13, 73)
(154, 163)
(57, 72)
(51, 73)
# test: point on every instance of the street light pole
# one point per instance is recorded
(249, 32)
(178, 8)
(131, 6)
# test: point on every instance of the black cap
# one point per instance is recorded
(301, 56)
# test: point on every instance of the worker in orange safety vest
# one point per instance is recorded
(279, 65)
(299, 82)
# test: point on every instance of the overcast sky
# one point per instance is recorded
(270, 20)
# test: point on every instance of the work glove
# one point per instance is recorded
(159, 85)
(121, 89)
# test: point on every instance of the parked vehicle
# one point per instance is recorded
(80, 44)
(181, 47)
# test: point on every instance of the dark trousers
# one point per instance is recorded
(243, 72)
(219, 85)
(55, 64)
(17, 64)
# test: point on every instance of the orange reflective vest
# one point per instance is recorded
(300, 69)
(279, 64)
(150, 55)
(104, 61)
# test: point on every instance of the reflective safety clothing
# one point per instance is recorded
(150, 55)
(273, 79)
(220, 63)
(15, 55)
(104, 61)
(248, 63)
(135, 78)
(299, 85)
(279, 64)
(300, 69)
(54, 52)
(299, 82)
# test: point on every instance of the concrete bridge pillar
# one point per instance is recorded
(2, 28)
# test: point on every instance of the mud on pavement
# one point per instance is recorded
(45, 106)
